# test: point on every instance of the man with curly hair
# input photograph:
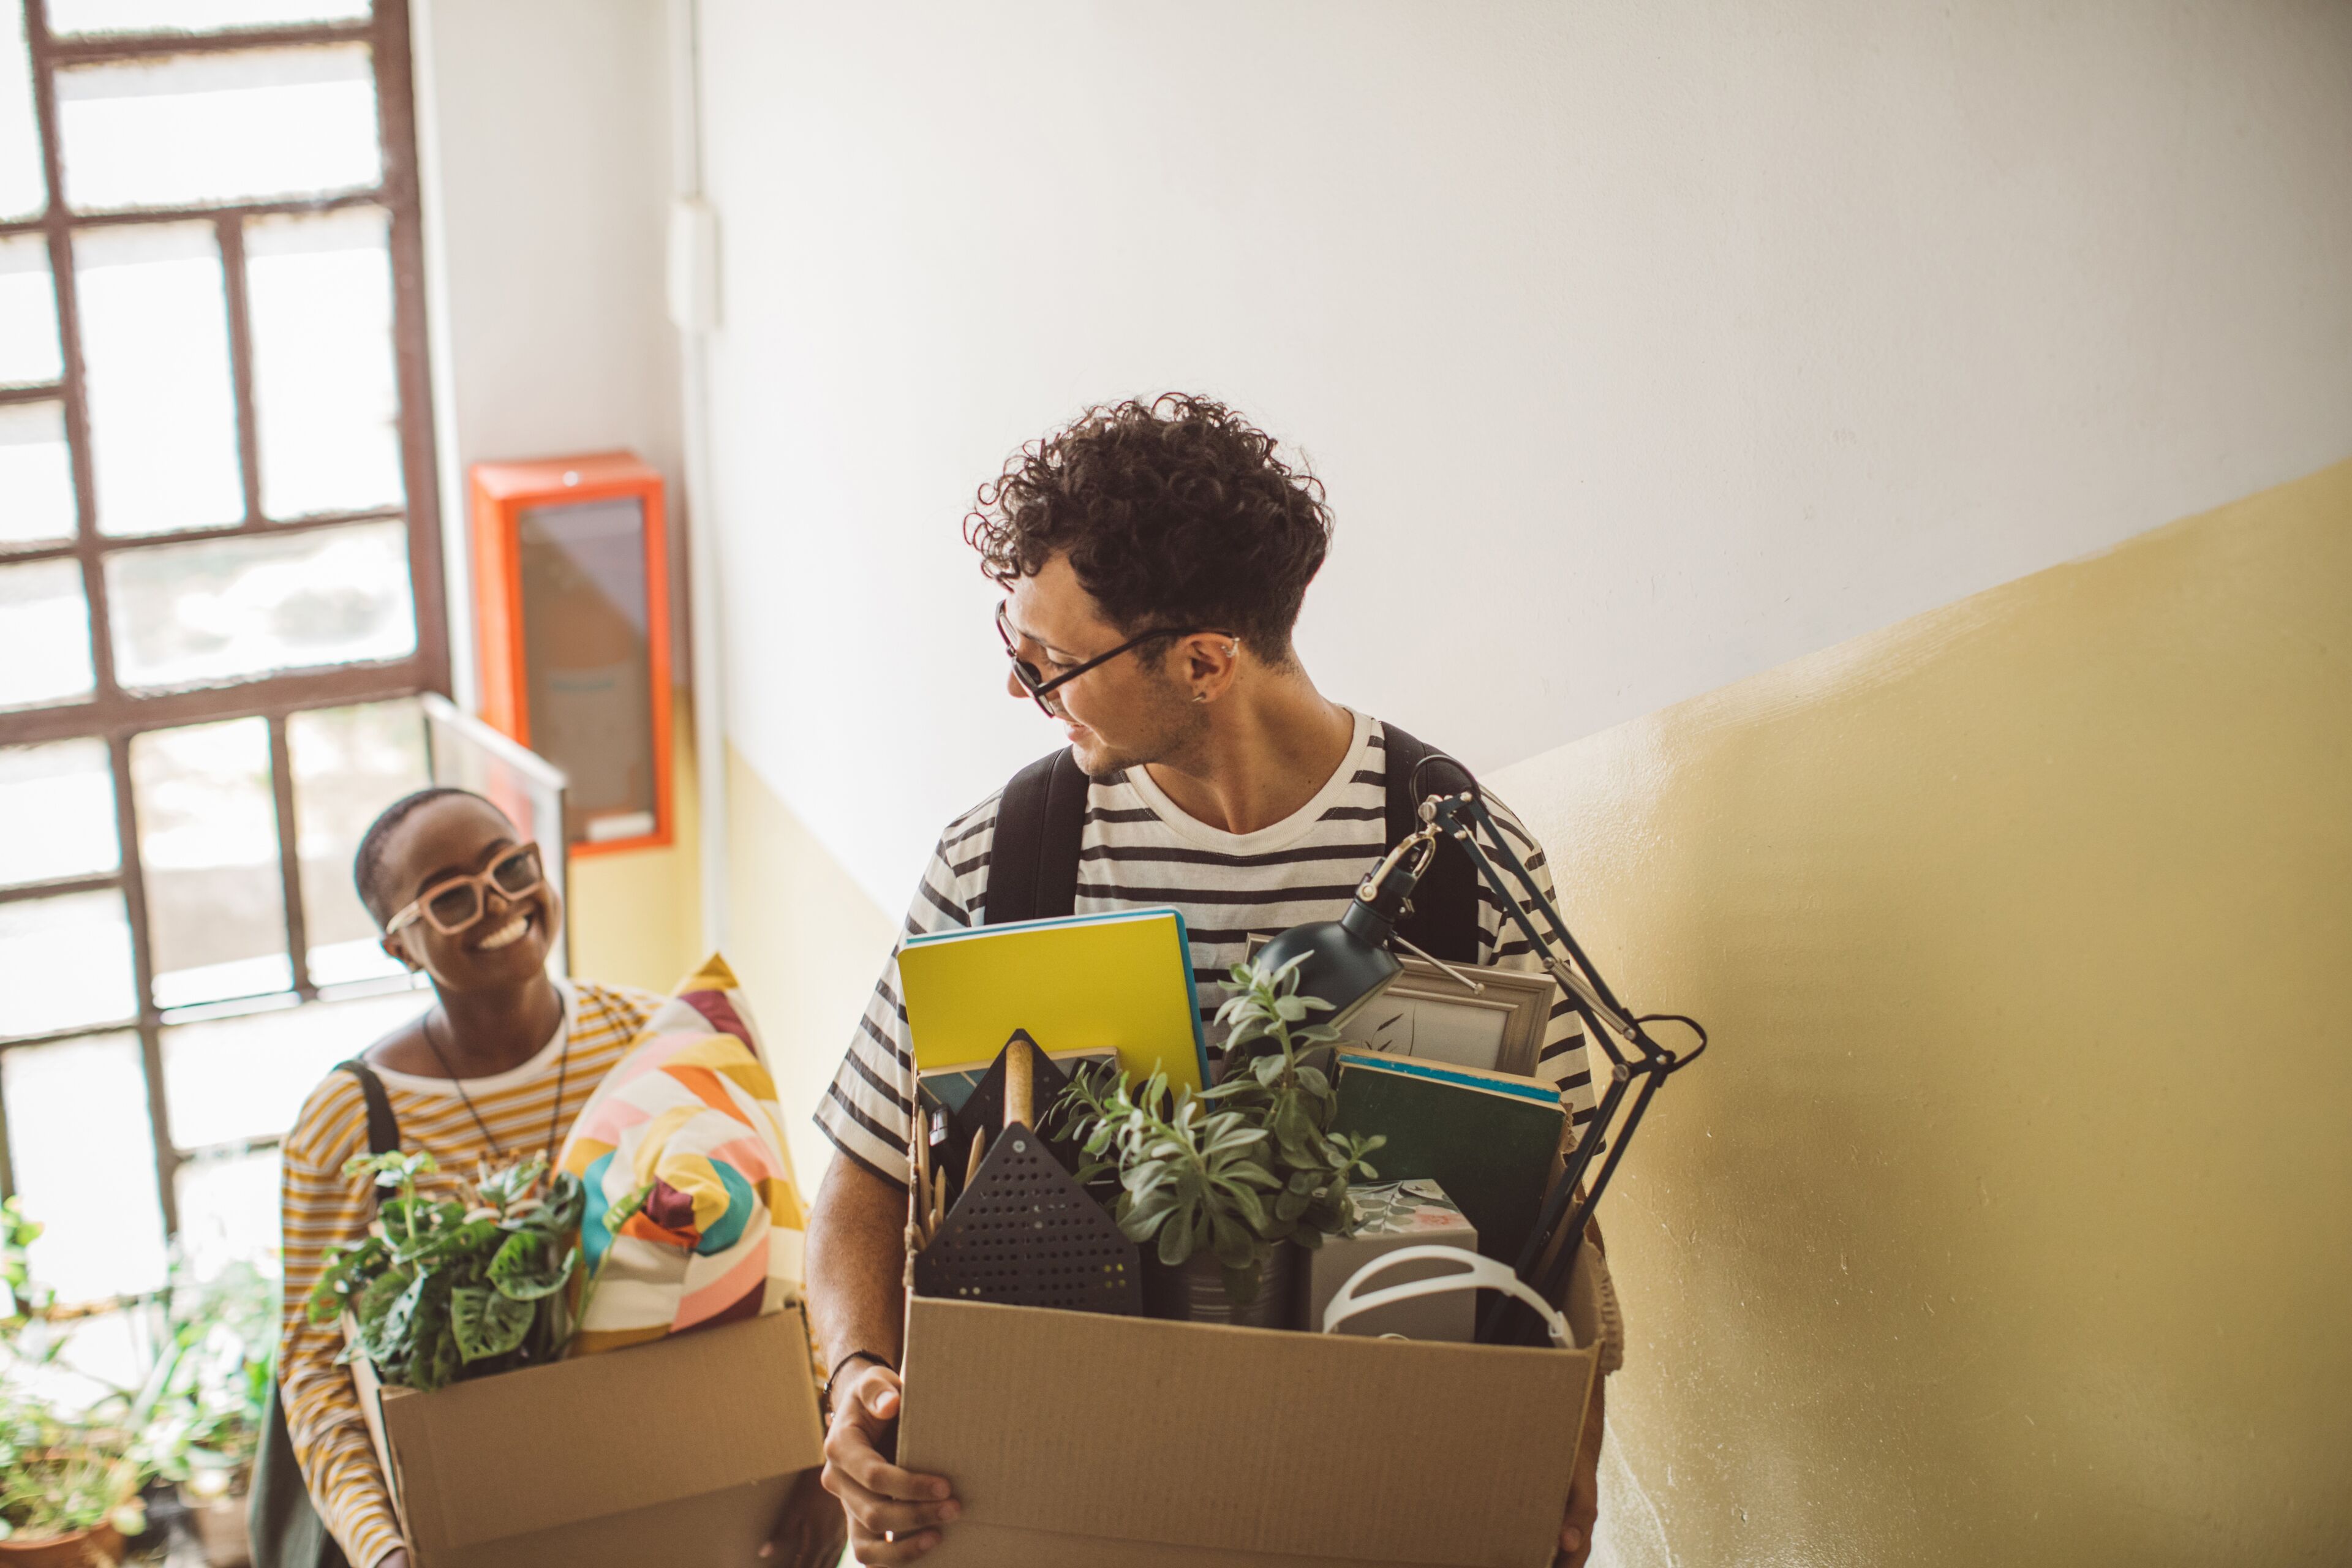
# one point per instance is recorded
(1154, 556)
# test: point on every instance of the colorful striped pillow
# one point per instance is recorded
(689, 1118)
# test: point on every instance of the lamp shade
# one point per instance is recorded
(1348, 961)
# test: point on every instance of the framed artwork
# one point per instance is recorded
(1427, 1012)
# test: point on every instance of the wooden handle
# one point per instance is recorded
(1020, 1091)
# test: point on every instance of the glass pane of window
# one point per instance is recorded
(24, 192)
(29, 355)
(247, 125)
(83, 1152)
(37, 491)
(589, 681)
(348, 764)
(193, 615)
(320, 291)
(232, 1079)
(44, 635)
(155, 349)
(194, 16)
(208, 847)
(58, 802)
(228, 1210)
(64, 962)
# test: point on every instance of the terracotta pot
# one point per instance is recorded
(220, 1527)
(98, 1548)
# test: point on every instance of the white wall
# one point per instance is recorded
(543, 130)
(1643, 346)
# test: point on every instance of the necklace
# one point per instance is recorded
(554, 1115)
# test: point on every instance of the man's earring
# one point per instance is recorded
(1200, 697)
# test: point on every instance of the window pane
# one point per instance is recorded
(194, 16)
(28, 314)
(251, 125)
(44, 635)
(84, 1155)
(348, 764)
(154, 348)
(325, 398)
(228, 1210)
(67, 789)
(24, 192)
(193, 615)
(232, 1079)
(208, 847)
(37, 491)
(64, 962)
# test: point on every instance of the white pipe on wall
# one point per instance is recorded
(694, 309)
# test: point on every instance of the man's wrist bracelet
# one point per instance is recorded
(825, 1394)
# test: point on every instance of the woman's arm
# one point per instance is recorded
(321, 1208)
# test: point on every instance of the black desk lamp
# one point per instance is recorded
(1346, 963)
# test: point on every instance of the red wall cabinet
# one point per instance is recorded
(571, 615)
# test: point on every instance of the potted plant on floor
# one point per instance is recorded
(68, 1483)
(212, 1387)
(1223, 1184)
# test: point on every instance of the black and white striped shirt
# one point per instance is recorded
(1140, 850)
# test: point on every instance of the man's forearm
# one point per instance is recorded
(857, 1264)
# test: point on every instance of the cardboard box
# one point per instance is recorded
(1076, 1440)
(1389, 1216)
(680, 1452)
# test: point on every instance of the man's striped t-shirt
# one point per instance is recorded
(1140, 850)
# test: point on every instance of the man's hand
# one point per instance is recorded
(894, 1514)
(811, 1530)
(1583, 1491)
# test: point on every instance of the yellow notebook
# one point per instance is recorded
(1121, 982)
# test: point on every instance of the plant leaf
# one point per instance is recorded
(521, 1271)
(486, 1323)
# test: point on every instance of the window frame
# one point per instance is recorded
(116, 716)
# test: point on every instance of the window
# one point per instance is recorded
(220, 596)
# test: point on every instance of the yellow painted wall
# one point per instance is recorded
(804, 940)
(636, 914)
(807, 944)
(2009, 1220)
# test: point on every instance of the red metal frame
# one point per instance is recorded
(500, 492)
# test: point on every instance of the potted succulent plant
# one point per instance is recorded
(1224, 1183)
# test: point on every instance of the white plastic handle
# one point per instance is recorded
(1475, 1273)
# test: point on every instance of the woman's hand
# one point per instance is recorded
(894, 1514)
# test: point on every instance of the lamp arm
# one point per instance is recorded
(1580, 980)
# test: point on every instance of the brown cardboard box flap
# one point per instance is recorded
(600, 1435)
(1074, 1439)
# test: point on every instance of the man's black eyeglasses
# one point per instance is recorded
(1036, 684)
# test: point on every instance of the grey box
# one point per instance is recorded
(1389, 1216)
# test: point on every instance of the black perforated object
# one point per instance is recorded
(1025, 1235)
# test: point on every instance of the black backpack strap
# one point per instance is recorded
(384, 1128)
(284, 1526)
(1032, 859)
(1442, 917)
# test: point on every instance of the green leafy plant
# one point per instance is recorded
(441, 1291)
(62, 1470)
(1239, 1169)
(212, 1379)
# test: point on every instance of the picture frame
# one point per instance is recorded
(1426, 1012)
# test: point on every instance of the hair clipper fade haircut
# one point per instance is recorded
(367, 865)
(1174, 512)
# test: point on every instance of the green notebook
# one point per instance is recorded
(1489, 1139)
